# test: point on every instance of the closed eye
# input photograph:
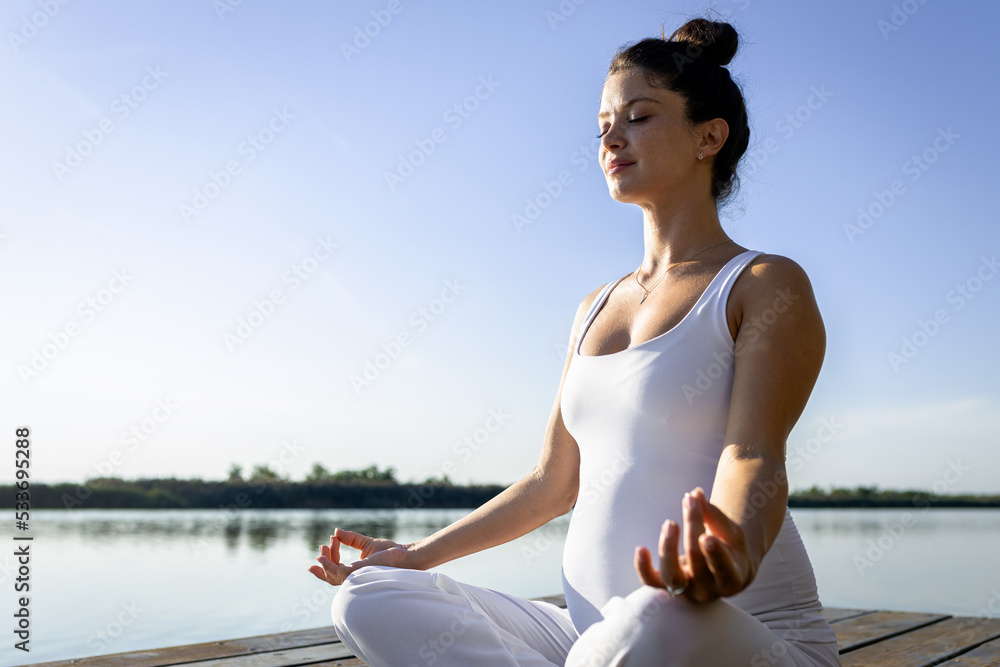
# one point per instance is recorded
(630, 120)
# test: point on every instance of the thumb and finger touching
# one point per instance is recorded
(331, 569)
(354, 540)
(710, 541)
(723, 547)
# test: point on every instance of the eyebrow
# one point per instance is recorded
(628, 104)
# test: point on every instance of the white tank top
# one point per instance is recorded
(650, 422)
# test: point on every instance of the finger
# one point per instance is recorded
(334, 549)
(721, 527)
(358, 564)
(720, 561)
(670, 564)
(693, 529)
(352, 539)
(320, 573)
(644, 566)
(335, 572)
(722, 548)
(717, 522)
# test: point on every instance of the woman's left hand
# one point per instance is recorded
(716, 562)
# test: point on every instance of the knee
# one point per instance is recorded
(650, 625)
(678, 627)
(355, 598)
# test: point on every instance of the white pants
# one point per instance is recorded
(392, 617)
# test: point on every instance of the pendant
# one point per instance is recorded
(643, 297)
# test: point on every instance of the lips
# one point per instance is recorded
(617, 165)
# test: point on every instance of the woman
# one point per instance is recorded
(684, 375)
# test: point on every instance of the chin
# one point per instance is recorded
(622, 195)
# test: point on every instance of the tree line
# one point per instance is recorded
(374, 488)
(263, 488)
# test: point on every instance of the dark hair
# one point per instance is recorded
(692, 62)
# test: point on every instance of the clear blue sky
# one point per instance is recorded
(170, 168)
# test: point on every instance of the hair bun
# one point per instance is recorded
(717, 39)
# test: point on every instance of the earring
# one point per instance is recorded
(700, 154)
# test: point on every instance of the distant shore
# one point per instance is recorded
(386, 493)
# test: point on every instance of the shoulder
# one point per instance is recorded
(585, 305)
(774, 293)
(588, 301)
(771, 278)
(768, 271)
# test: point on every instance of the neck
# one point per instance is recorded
(672, 234)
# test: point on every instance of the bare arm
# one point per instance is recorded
(548, 491)
(780, 346)
(775, 369)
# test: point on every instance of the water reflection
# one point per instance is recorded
(865, 522)
(261, 530)
(258, 530)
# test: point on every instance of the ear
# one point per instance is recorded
(713, 135)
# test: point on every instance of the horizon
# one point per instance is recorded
(431, 482)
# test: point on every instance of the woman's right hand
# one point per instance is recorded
(374, 551)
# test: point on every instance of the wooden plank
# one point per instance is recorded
(288, 658)
(929, 645)
(865, 637)
(987, 655)
(175, 655)
(853, 633)
(835, 614)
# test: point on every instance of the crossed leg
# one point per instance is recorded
(392, 617)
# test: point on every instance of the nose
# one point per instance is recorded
(612, 138)
(610, 142)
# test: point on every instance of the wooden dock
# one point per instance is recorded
(866, 637)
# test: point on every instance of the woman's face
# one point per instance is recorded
(652, 134)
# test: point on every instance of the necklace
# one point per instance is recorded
(647, 291)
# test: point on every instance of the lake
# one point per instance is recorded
(107, 581)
